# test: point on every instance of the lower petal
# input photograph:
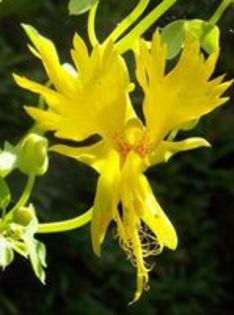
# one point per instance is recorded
(106, 201)
(155, 218)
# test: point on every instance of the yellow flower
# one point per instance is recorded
(94, 99)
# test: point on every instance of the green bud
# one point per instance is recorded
(23, 216)
(33, 157)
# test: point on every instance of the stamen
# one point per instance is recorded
(149, 242)
(121, 146)
(138, 242)
(142, 147)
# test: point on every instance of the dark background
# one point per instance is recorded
(195, 188)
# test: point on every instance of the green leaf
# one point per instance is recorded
(6, 253)
(173, 35)
(5, 195)
(77, 7)
(20, 248)
(36, 250)
(8, 158)
(208, 34)
(37, 255)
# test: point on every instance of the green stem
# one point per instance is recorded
(219, 11)
(67, 225)
(23, 198)
(129, 20)
(26, 193)
(127, 42)
(91, 25)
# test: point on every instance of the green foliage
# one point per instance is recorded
(36, 250)
(175, 33)
(17, 234)
(77, 7)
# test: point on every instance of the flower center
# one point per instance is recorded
(124, 147)
(134, 138)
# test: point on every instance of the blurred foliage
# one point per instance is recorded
(196, 190)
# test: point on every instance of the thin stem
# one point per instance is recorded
(23, 198)
(26, 193)
(219, 11)
(91, 25)
(127, 42)
(129, 20)
(67, 225)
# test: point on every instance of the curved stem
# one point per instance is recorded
(129, 20)
(128, 41)
(219, 11)
(26, 193)
(23, 198)
(67, 225)
(91, 25)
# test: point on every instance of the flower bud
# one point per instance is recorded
(33, 158)
(23, 216)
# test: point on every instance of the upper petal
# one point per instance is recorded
(184, 94)
(94, 101)
(166, 149)
(94, 155)
(46, 51)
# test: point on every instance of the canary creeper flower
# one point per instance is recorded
(94, 99)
